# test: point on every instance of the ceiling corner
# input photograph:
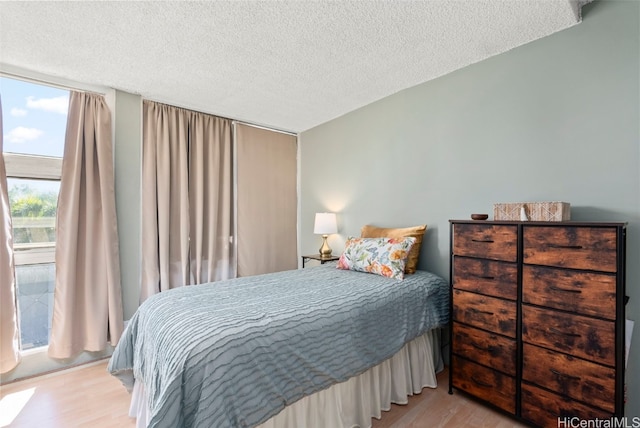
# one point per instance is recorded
(576, 6)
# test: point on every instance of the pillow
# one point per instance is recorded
(382, 256)
(417, 232)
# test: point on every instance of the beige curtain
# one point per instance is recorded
(267, 200)
(187, 198)
(87, 309)
(210, 198)
(9, 339)
(165, 200)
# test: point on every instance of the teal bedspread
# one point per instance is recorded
(234, 353)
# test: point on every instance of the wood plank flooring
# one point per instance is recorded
(88, 396)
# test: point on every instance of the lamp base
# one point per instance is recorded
(325, 250)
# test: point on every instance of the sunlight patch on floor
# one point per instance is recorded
(12, 404)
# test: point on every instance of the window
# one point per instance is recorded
(34, 123)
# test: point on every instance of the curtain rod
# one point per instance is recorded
(28, 77)
(265, 127)
(234, 121)
(43, 81)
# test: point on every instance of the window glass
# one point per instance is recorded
(34, 117)
(35, 283)
(33, 211)
(34, 122)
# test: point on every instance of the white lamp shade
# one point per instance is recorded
(325, 224)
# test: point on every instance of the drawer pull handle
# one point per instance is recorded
(566, 247)
(564, 333)
(486, 241)
(479, 382)
(568, 290)
(478, 311)
(564, 375)
(475, 345)
(486, 277)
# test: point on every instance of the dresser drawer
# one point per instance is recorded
(488, 313)
(486, 348)
(486, 384)
(589, 248)
(496, 242)
(546, 409)
(587, 293)
(489, 277)
(584, 337)
(569, 376)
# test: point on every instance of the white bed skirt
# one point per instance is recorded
(352, 403)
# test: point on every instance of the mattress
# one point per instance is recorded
(350, 404)
(235, 353)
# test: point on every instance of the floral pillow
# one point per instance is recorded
(382, 256)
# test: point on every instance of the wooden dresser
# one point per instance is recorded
(538, 312)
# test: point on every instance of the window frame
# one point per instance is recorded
(35, 360)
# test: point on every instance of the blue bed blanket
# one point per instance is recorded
(234, 353)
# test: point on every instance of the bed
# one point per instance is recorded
(311, 347)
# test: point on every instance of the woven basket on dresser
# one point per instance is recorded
(534, 211)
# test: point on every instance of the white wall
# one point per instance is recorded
(554, 120)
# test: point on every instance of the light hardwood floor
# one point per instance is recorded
(89, 397)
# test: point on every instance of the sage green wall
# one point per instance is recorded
(554, 120)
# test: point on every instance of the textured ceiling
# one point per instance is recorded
(290, 65)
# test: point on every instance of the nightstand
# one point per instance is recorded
(318, 257)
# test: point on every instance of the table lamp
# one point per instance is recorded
(325, 225)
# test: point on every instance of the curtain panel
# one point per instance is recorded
(210, 198)
(187, 202)
(87, 309)
(267, 200)
(165, 202)
(9, 336)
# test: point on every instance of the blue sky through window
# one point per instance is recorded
(34, 117)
